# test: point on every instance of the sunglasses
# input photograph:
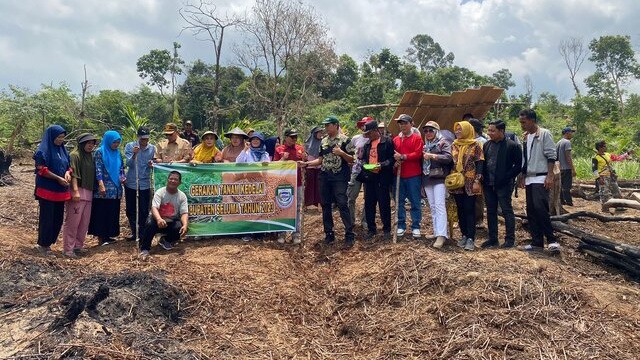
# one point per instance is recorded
(429, 130)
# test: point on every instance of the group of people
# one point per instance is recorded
(83, 189)
(472, 169)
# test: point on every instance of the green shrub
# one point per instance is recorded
(628, 169)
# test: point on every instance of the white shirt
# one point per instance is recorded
(531, 179)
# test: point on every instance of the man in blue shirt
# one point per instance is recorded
(139, 155)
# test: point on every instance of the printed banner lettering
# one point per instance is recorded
(231, 198)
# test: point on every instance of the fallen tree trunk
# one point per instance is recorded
(589, 214)
(596, 240)
(624, 203)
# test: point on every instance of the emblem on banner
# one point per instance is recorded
(284, 196)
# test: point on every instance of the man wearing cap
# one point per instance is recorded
(567, 170)
(173, 148)
(139, 160)
(190, 135)
(378, 151)
(353, 189)
(408, 154)
(237, 138)
(334, 175)
(503, 162)
(291, 151)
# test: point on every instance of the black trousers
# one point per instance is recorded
(466, 214)
(50, 218)
(144, 206)
(377, 193)
(335, 191)
(566, 181)
(172, 231)
(494, 196)
(538, 215)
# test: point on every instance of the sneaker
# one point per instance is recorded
(469, 245)
(281, 238)
(246, 238)
(69, 254)
(507, 245)
(530, 248)
(329, 238)
(386, 235)
(144, 255)
(400, 232)
(439, 242)
(165, 244)
(489, 244)
(462, 242)
(348, 243)
(131, 238)
(80, 251)
(296, 238)
(554, 247)
(106, 241)
(416, 233)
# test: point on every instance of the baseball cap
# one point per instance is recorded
(404, 117)
(567, 129)
(188, 122)
(370, 125)
(170, 128)
(143, 132)
(331, 120)
(291, 132)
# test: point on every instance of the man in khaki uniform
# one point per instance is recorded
(173, 148)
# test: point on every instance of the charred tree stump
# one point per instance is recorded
(5, 176)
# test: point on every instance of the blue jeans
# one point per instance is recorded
(410, 188)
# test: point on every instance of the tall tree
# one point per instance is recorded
(345, 75)
(154, 67)
(428, 53)
(175, 69)
(573, 53)
(615, 61)
(502, 78)
(206, 24)
(280, 33)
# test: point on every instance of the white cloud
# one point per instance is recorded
(52, 43)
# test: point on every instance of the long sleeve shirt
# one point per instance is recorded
(411, 146)
(144, 170)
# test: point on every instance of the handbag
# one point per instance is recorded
(455, 180)
(437, 173)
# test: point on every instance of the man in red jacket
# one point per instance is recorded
(408, 153)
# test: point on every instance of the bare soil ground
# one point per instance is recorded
(222, 298)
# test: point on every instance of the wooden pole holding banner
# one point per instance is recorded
(303, 174)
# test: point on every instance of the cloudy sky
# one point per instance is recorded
(49, 41)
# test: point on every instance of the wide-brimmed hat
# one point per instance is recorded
(209, 132)
(431, 124)
(84, 137)
(236, 131)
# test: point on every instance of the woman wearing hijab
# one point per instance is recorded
(435, 167)
(206, 152)
(83, 178)
(105, 211)
(312, 147)
(53, 176)
(469, 157)
(271, 143)
(256, 151)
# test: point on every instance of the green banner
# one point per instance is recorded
(229, 198)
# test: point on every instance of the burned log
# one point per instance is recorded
(589, 214)
(5, 176)
(620, 203)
